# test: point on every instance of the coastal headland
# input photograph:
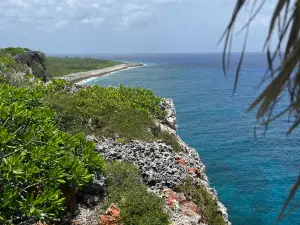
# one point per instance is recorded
(80, 76)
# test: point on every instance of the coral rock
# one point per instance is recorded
(190, 206)
(111, 216)
(195, 171)
(181, 162)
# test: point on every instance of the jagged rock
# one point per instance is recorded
(75, 87)
(183, 211)
(92, 192)
(111, 216)
(36, 61)
(157, 161)
(181, 162)
(161, 167)
(168, 106)
(97, 186)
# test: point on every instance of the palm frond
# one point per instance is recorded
(283, 77)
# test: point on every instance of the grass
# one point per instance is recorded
(137, 205)
(170, 139)
(61, 66)
(205, 201)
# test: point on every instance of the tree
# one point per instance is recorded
(280, 77)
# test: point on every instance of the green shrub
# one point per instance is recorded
(128, 112)
(37, 159)
(137, 205)
(13, 51)
(169, 139)
(205, 201)
(7, 64)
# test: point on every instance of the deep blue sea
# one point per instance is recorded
(252, 176)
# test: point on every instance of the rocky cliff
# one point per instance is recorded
(26, 61)
(163, 170)
(36, 61)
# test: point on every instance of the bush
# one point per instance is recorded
(37, 159)
(169, 139)
(205, 201)
(137, 205)
(13, 51)
(7, 65)
(128, 112)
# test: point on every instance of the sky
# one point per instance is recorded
(125, 26)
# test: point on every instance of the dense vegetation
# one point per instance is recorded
(108, 111)
(138, 206)
(60, 66)
(205, 201)
(13, 51)
(39, 164)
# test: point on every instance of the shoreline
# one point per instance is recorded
(79, 77)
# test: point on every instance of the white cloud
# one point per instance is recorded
(88, 12)
(58, 8)
(92, 20)
(61, 24)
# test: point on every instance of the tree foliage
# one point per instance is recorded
(37, 159)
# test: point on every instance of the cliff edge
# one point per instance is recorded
(165, 171)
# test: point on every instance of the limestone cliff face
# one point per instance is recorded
(163, 169)
(36, 61)
(171, 126)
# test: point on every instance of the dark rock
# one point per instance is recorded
(97, 187)
(36, 61)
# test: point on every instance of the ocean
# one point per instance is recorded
(252, 176)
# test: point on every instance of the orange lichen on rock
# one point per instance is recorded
(181, 161)
(111, 216)
(189, 207)
(195, 170)
(171, 200)
(178, 201)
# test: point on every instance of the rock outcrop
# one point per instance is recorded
(36, 61)
(157, 162)
(162, 168)
(170, 119)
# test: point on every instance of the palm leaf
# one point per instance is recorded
(282, 78)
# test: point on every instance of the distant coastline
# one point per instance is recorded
(83, 76)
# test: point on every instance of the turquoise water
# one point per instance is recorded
(252, 177)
